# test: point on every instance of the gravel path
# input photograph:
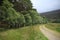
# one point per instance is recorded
(51, 35)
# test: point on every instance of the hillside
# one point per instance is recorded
(52, 14)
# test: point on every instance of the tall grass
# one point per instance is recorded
(54, 26)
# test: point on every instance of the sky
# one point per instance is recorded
(46, 5)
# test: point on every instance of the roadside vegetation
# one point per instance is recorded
(53, 26)
(25, 33)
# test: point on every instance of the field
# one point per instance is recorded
(53, 26)
(24, 33)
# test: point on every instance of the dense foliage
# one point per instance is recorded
(22, 5)
(55, 21)
(18, 13)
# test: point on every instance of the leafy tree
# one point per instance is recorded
(22, 5)
(28, 19)
(45, 20)
(24, 12)
(9, 15)
(35, 17)
(21, 20)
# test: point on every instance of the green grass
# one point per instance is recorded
(25, 33)
(54, 26)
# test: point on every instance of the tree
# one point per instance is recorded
(35, 17)
(22, 5)
(44, 20)
(9, 15)
(28, 19)
(19, 13)
(21, 20)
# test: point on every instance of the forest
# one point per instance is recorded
(19, 13)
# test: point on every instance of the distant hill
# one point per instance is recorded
(52, 15)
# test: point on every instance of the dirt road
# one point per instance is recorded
(50, 34)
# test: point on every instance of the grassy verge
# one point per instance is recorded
(25, 33)
(54, 26)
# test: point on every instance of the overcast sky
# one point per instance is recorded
(46, 5)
